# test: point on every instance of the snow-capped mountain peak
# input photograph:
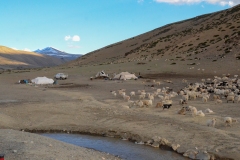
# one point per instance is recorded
(57, 53)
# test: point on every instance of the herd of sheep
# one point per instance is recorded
(218, 89)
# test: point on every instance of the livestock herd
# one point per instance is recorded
(219, 89)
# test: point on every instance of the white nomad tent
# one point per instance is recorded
(101, 74)
(42, 80)
(125, 76)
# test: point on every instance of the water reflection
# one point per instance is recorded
(124, 149)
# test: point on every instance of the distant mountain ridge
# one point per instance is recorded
(11, 59)
(50, 51)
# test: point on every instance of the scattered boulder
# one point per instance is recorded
(155, 144)
(156, 139)
(190, 153)
(149, 142)
(175, 146)
(164, 141)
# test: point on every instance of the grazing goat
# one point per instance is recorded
(211, 122)
(181, 101)
(132, 93)
(147, 103)
(215, 97)
(204, 99)
(114, 93)
(200, 113)
(237, 98)
(230, 98)
(208, 111)
(185, 97)
(182, 111)
(188, 108)
(139, 103)
(218, 101)
(142, 96)
(167, 106)
(159, 104)
(126, 98)
(229, 121)
(151, 97)
(194, 111)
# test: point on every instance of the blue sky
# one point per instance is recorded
(82, 26)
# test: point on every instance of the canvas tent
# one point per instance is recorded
(101, 74)
(42, 80)
(125, 76)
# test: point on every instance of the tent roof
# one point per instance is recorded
(125, 75)
(42, 80)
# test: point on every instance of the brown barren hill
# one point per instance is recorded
(10, 58)
(210, 40)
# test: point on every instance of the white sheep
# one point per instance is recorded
(151, 97)
(161, 97)
(218, 101)
(166, 97)
(182, 111)
(185, 97)
(181, 93)
(131, 103)
(194, 111)
(200, 113)
(229, 121)
(139, 103)
(211, 122)
(237, 98)
(132, 93)
(230, 98)
(208, 110)
(188, 108)
(142, 96)
(148, 95)
(114, 93)
(215, 97)
(159, 104)
(204, 99)
(192, 95)
(122, 94)
(143, 93)
(148, 103)
(121, 90)
(126, 98)
(124, 106)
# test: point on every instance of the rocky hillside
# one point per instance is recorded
(10, 58)
(211, 37)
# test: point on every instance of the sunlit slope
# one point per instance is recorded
(209, 38)
(17, 58)
(5, 61)
(10, 51)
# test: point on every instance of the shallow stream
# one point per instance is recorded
(123, 149)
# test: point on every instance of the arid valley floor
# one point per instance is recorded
(79, 105)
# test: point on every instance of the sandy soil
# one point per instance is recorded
(79, 105)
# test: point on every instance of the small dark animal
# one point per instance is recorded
(183, 102)
(166, 106)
